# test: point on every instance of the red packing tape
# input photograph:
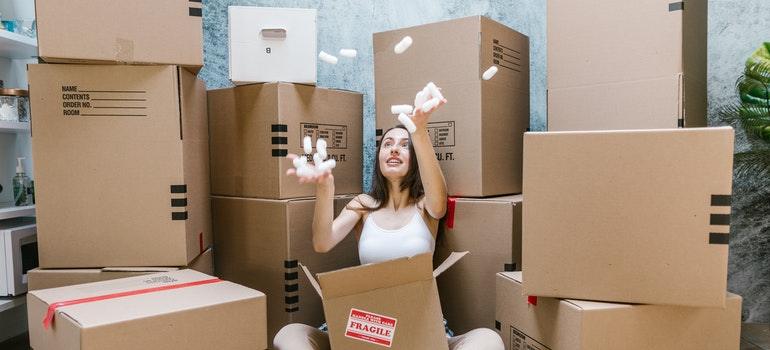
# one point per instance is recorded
(532, 300)
(48, 320)
(451, 202)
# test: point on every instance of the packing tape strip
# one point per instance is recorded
(532, 300)
(49, 316)
(124, 50)
(451, 202)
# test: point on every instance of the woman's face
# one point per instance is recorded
(394, 154)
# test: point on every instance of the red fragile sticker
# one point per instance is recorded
(371, 328)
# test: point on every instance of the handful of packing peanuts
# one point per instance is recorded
(426, 99)
(319, 159)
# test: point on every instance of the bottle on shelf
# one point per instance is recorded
(20, 185)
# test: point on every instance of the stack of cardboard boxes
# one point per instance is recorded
(262, 217)
(120, 143)
(625, 232)
(477, 137)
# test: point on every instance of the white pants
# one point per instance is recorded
(298, 336)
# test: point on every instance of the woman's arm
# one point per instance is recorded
(327, 231)
(430, 172)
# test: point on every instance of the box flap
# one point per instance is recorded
(359, 279)
(312, 280)
(139, 269)
(451, 260)
(115, 310)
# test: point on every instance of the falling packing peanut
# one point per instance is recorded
(327, 58)
(403, 45)
(489, 73)
(320, 147)
(407, 122)
(307, 145)
(349, 53)
(435, 92)
(397, 109)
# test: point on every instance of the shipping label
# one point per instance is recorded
(371, 328)
(77, 101)
(521, 341)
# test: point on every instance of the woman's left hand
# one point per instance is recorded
(420, 118)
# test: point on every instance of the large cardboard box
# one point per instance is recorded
(490, 229)
(121, 165)
(283, 39)
(626, 64)
(477, 134)
(392, 304)
(171, 310)
(567, 324)
(628, 216)
(53, 278)
(133, 32)
(253, 128)
(259, 244)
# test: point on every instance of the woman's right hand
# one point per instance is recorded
(323, 178)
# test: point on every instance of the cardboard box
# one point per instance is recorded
(628, 216)
(121, 165)
(626, 64)
(477, 134)
(259, 243)
(391, 304)
(53, 278)
(133, 32)
(566, 324)
(490, 229)
(270, 120)
(283, 39)
(163, 311)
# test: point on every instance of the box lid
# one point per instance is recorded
(120, 309)
(359, 279)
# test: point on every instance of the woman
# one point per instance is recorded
(398, 218)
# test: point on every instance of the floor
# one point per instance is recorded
(754, 336)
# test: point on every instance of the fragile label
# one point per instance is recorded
(520, 341)
(371, 328)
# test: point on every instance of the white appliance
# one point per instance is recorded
(18, 254)
(269, 44)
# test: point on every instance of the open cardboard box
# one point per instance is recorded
(393, 304)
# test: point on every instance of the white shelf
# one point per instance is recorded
(13, 45)
(13, 127)
(15, 212)
(7, 303)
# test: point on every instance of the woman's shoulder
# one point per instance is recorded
(362, 201)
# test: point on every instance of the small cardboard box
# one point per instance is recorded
(121, 165)
(626, 64)
(133, 32)
(253, 127)
(490, 229)
(636, 216)
(477, 134)
(566, 324)
(283, 39)
(392, 304)
(53, 278)
(259, 243)
(161, 311)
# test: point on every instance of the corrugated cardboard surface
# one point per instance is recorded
(404, 289)
(106, 158)
(481, 117)
(628, 216)
(253, 127)
(490, 229)
(259, 244)
(567, 324)
(139, 31)
(53, 278)
(217, 315)
(610, 56)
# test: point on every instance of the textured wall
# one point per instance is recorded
(736, 28)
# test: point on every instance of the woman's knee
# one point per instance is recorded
(297, 336)
(477, 339)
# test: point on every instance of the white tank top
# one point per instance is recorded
(378, 244)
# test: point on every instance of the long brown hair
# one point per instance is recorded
(379, 184)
